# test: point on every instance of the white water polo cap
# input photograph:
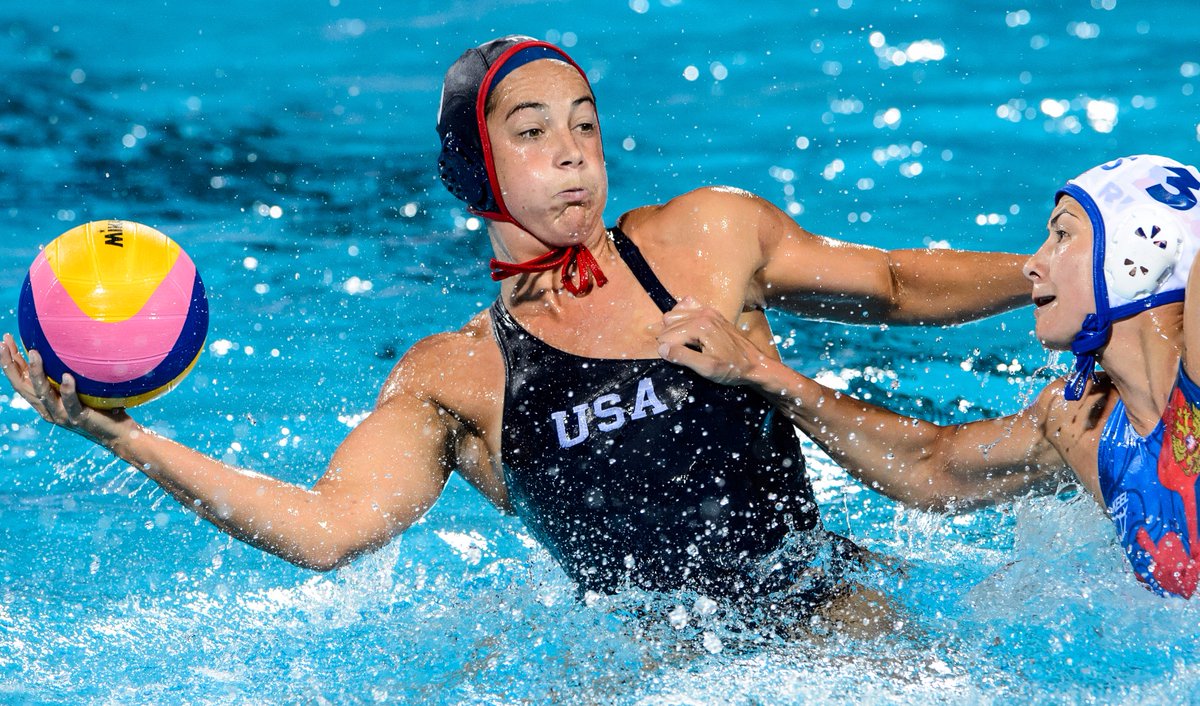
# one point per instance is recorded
(1145, 234)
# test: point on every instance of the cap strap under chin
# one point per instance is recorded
(1091, 338)
(576, 255)
(1085, 369)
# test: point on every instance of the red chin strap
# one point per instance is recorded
(577, 255)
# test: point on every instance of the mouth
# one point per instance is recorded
(574, 194)
(1041, 301)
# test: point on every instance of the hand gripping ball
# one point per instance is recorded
(118, 305)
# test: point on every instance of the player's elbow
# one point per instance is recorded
(314, 558)
(328, 545)
(339, 531)
(326, 561)
(921, 494)
(891, 301)
(932, 486)
(914, 297)
(324, 558)
(939, 503)
(318, 565)
(941, 491)
(933, 498)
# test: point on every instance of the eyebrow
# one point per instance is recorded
(536, 105)
(1054, 217)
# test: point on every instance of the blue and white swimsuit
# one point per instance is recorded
(1149, 487)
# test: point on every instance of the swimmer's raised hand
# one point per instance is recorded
(701, 338)
(61, 407)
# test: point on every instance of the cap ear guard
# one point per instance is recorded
(1142, 252)
(460, 163)
(464, 173)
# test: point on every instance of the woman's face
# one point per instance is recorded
(1061, 273)
(545, 142)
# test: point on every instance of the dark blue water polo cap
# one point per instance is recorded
(465, 163)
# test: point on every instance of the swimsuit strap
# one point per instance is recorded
(641, 270)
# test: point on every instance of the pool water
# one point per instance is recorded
(290, 148)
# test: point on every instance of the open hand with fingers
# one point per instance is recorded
(61, 406)
(701, 338)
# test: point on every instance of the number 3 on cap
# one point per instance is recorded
(1184, 182)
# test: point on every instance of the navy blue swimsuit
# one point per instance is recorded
(640, 472)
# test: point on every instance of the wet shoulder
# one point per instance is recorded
(461, 371)
(692, 215)
(1086, 414)
(1074, 427)
(704, 243)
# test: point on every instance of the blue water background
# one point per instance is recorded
(289, 147)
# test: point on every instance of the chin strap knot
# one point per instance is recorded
(1091, 338)
(577, 257)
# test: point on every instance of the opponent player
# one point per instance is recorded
(553, 402)
(1109, 285)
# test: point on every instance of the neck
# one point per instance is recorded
(513, 244)
(1142, 360)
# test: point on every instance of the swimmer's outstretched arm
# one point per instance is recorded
(382, 478)
(912, 461)
(819, 277)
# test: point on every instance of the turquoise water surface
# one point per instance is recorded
(289, 146)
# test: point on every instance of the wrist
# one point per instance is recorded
(121, 440)
(769, 376)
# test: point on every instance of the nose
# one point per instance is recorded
(1035, 267)
(568, 152)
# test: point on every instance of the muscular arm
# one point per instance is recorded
(382, 478)
(913, 461)
(824, 278)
